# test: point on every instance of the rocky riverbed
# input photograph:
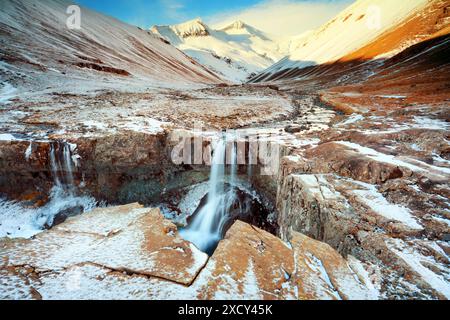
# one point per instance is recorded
(370, 188)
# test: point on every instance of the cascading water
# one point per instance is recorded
(207, 227)
(18, 220)
(62, 166)
(64, 201)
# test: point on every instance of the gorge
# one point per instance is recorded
(128, 170)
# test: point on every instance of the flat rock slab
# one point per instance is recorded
(131, 252)
(321, 272)
(130, 238)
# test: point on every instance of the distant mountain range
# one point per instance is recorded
(35, 39)
(236, 52)
(240, 52)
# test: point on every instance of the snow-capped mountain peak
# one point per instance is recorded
(239, 27)
(236, 25)
(193, 28)
(235, 52)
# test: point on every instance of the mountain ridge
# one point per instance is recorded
(345, 34)
(235, 52)
(35, 38)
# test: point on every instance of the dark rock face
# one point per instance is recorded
(122, 168)
(63, 216)
(101, 68)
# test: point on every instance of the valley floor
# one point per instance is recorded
(371, 188)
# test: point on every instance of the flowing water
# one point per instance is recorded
(227, 199)
(20, 220)
(207, 226)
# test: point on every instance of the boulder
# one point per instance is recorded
(253, 264)
(129, 238)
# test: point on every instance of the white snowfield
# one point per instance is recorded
(358, 25)
(234, 52)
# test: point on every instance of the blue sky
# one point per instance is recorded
(150, 12)
(145, 13)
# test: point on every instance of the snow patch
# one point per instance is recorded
(19, 221)
(151, 126)
(378, 203)
(358, 267)
(191, 201)
(316, 265)
(393, 96)
(378, 156)
(418, 262)
(7, 92)
(432, 124)
(251, 288)
(352, 119)
(7, 137)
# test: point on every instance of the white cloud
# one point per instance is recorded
(173, 9)
(283, 17)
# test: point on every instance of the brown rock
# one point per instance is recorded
(311, 205)
(251, 263)
(128, 238)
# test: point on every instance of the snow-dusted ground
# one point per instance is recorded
(371, 197)
(19, 221)
(440, 281)
(150, 112)
(412, 164)
(113, 119)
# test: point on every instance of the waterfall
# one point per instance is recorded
(68, 164)
(61, 165)
(207, 227)
(19, 220)
(233, 161)
(64, 200)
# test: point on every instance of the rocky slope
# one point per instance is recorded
(375, 182)
(363, 31)
(38, 52)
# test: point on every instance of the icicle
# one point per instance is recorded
(28, 151)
